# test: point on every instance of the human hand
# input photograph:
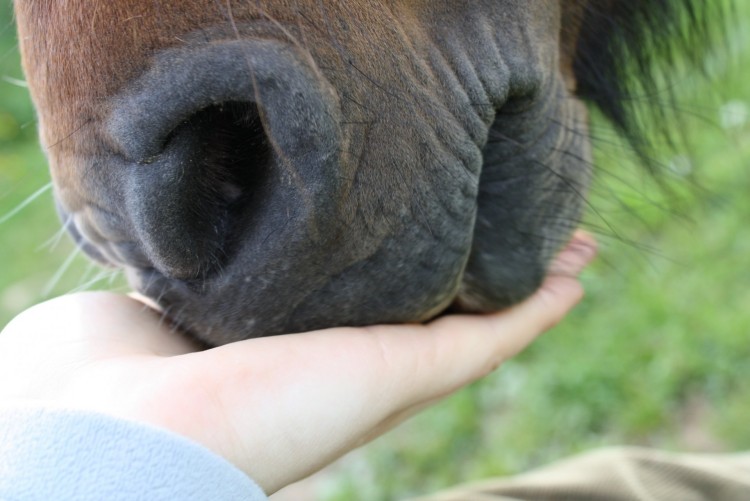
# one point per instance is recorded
(279, 408)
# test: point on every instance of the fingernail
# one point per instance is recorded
(585, 246)
(579, 252)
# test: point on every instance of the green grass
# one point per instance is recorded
(658, 353)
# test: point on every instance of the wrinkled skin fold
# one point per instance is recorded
(269, 167)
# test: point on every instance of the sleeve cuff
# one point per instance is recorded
(63, 454)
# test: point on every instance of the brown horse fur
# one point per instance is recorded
(270, 166)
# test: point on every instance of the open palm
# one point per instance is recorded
(279, 408)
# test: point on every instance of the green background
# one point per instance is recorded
(657, 355)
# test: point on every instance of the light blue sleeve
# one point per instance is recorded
(65, 455)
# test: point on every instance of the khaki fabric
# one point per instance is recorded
(620, 474)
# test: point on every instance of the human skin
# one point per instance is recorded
(318, 394)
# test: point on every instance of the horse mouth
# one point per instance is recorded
(254, 205)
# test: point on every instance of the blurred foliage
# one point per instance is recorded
(658, 354)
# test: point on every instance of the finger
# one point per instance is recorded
(497, 337)
(455, 350)
(575, 256)
(330, 388)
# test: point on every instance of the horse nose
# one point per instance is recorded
(216, 136)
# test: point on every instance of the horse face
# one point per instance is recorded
(277, 166)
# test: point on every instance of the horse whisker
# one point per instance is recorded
(28, 201)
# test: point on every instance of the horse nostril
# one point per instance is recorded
(186, 200)
(217, 137)
(223, 158)
(232, 148)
